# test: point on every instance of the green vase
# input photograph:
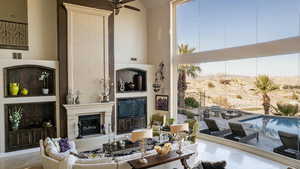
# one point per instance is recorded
(14, 89)
(15, 126)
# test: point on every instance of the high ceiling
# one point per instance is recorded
(154, 3)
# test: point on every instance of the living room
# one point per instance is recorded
(93, 84)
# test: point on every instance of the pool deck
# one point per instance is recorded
(266, 143)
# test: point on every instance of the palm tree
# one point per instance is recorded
(265, 85)
(185, 70)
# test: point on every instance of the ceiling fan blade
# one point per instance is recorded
(131, 7)
(126, 1)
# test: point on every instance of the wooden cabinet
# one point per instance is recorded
(27, 138)
(130, 124)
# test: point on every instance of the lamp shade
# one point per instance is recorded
(141, 134)
(177, 128)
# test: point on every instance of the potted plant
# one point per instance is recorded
(15, 116)
(44, 77)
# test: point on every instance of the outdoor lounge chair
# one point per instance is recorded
(213, 128)
(290, 145)
(238, 133)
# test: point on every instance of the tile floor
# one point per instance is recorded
(206, 151)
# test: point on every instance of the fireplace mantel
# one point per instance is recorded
(88, 108)
(76, 110)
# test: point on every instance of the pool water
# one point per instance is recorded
(271, 125)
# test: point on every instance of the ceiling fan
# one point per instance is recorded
(118, 4)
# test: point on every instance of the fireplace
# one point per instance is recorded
(90, 125)
(131, 114)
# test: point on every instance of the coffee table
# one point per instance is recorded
(156, 160)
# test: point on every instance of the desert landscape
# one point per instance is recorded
(238, 92)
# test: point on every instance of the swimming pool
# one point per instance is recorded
(271, 125)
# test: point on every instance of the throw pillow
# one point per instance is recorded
(64, 145)
(56, 143)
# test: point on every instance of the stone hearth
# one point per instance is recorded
(74, 111)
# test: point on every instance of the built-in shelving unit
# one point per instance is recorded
(131, 80)
(39, 110)
(142, 76)
(28, 77)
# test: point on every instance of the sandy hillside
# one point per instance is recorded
(240, 91)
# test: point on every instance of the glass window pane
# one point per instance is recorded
(277, 19)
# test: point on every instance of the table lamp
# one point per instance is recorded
(178, 129)
(141, 135)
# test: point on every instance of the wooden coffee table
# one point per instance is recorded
(156, 160)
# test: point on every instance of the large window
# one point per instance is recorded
(260, 92)
(216, 24)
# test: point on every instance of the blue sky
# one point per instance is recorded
(215, 24)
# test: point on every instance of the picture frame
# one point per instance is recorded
(162, 102)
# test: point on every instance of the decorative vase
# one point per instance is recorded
(122, 86)
(15, 126)
(138, 81)
(24, 92)
(14, 89)
(45, 91)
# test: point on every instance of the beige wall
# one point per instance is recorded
(159, 39)
(131, 35)
(42, 32)
(13, 10)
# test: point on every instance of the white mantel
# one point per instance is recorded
(76, 110)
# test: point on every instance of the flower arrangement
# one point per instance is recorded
(44, 77)
(15, 116)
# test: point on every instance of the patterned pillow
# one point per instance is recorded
(64, 145)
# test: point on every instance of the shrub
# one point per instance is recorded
(211, 85)
(287, 109)
(290, 87)
(222, 101)
(239, 97)
(188, 114)
(170, 121)
(225, 82)
(295, 96)
(191, 102)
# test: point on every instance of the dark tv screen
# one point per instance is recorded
(132, 107)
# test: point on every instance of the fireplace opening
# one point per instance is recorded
(89, 125)
(131, 114)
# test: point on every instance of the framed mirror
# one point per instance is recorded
(13, 24)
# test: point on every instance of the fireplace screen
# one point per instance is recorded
(89, 125)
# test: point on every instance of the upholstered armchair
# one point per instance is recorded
(157, 122)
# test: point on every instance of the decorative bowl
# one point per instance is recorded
(164, 150)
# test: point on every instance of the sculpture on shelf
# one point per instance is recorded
(70, 98)
(77, 101)
(122, 85)
(106, 88)
(159, 78)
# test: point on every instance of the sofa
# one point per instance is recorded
(105, 163)
(71, 162)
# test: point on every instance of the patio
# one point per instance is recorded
(266, 142)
